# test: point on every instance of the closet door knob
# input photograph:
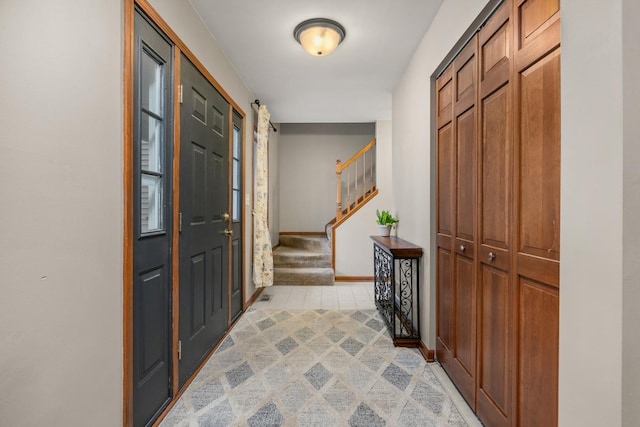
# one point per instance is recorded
(491, 256)
(462, 248)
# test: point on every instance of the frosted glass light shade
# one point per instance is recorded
(319, 36)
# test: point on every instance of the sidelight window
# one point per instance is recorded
(235, 174)
(151, 133)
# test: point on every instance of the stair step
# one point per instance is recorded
(303, 260)
(303, 276)
(314, 243)
(285, 256)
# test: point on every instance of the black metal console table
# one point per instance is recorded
(396, 265)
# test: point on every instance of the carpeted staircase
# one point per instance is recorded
(303, 260)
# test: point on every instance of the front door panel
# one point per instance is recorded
(204, 138)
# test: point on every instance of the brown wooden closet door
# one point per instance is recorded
(445, 172)
(463, 366)
(537, 209)
(494, 380)
(498, 226)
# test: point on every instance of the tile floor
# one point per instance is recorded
(343, 296)
(349, 296)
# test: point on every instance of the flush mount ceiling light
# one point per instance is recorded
(319, 36)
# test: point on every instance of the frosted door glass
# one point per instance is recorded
(151, 203)
(236, 205)
(236, 174)
(151, 84)
(150, 144)
(236, 142)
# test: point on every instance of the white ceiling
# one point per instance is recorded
(353, 84)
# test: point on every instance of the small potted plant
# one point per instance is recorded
(385, 221)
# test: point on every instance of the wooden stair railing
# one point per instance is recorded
(362, 184)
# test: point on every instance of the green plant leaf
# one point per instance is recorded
(385, 218)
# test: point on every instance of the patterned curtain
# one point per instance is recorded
(262, 255)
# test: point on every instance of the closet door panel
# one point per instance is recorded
(496, 172)
(538, 349)
(446, 176)
(539, 163)
(465, 75)
(466, 177)
(465, 314)
(540, 269)
(445, 287)
(537, 30)
(495, 52)
(494, 379)
(445, 307)
(493, 370)
(495, 131)
(465, 130)
(534, 18)
(464, 366)
(444, 99)
(536, 207)
(495, 304)
(445, 196)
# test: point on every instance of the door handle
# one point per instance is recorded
(225, 216)
(491, 256)
(228, 232)
(462, 248)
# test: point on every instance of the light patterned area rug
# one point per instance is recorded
(314, 368)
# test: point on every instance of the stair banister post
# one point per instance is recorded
(371, 169)
(355, 179)
(339, 190)
(364, 175)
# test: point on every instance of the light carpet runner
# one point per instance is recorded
(314, 368)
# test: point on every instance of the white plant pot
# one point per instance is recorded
(385, 230)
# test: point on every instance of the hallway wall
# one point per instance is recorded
(631, 214)
(61, 213)
(591, 214)
(307, 159)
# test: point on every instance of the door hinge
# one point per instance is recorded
(179, 350)
(180, 94)
(180, 222)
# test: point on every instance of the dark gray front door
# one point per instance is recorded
(204, 192)
(236, 215)
(152, 223)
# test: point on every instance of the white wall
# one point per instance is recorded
(384, 162)
(61, 216)
(354, 248)
(188, 25)
(591, 306)
(412, 167)
(631, 215)
(307, 161)
(591, 214)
